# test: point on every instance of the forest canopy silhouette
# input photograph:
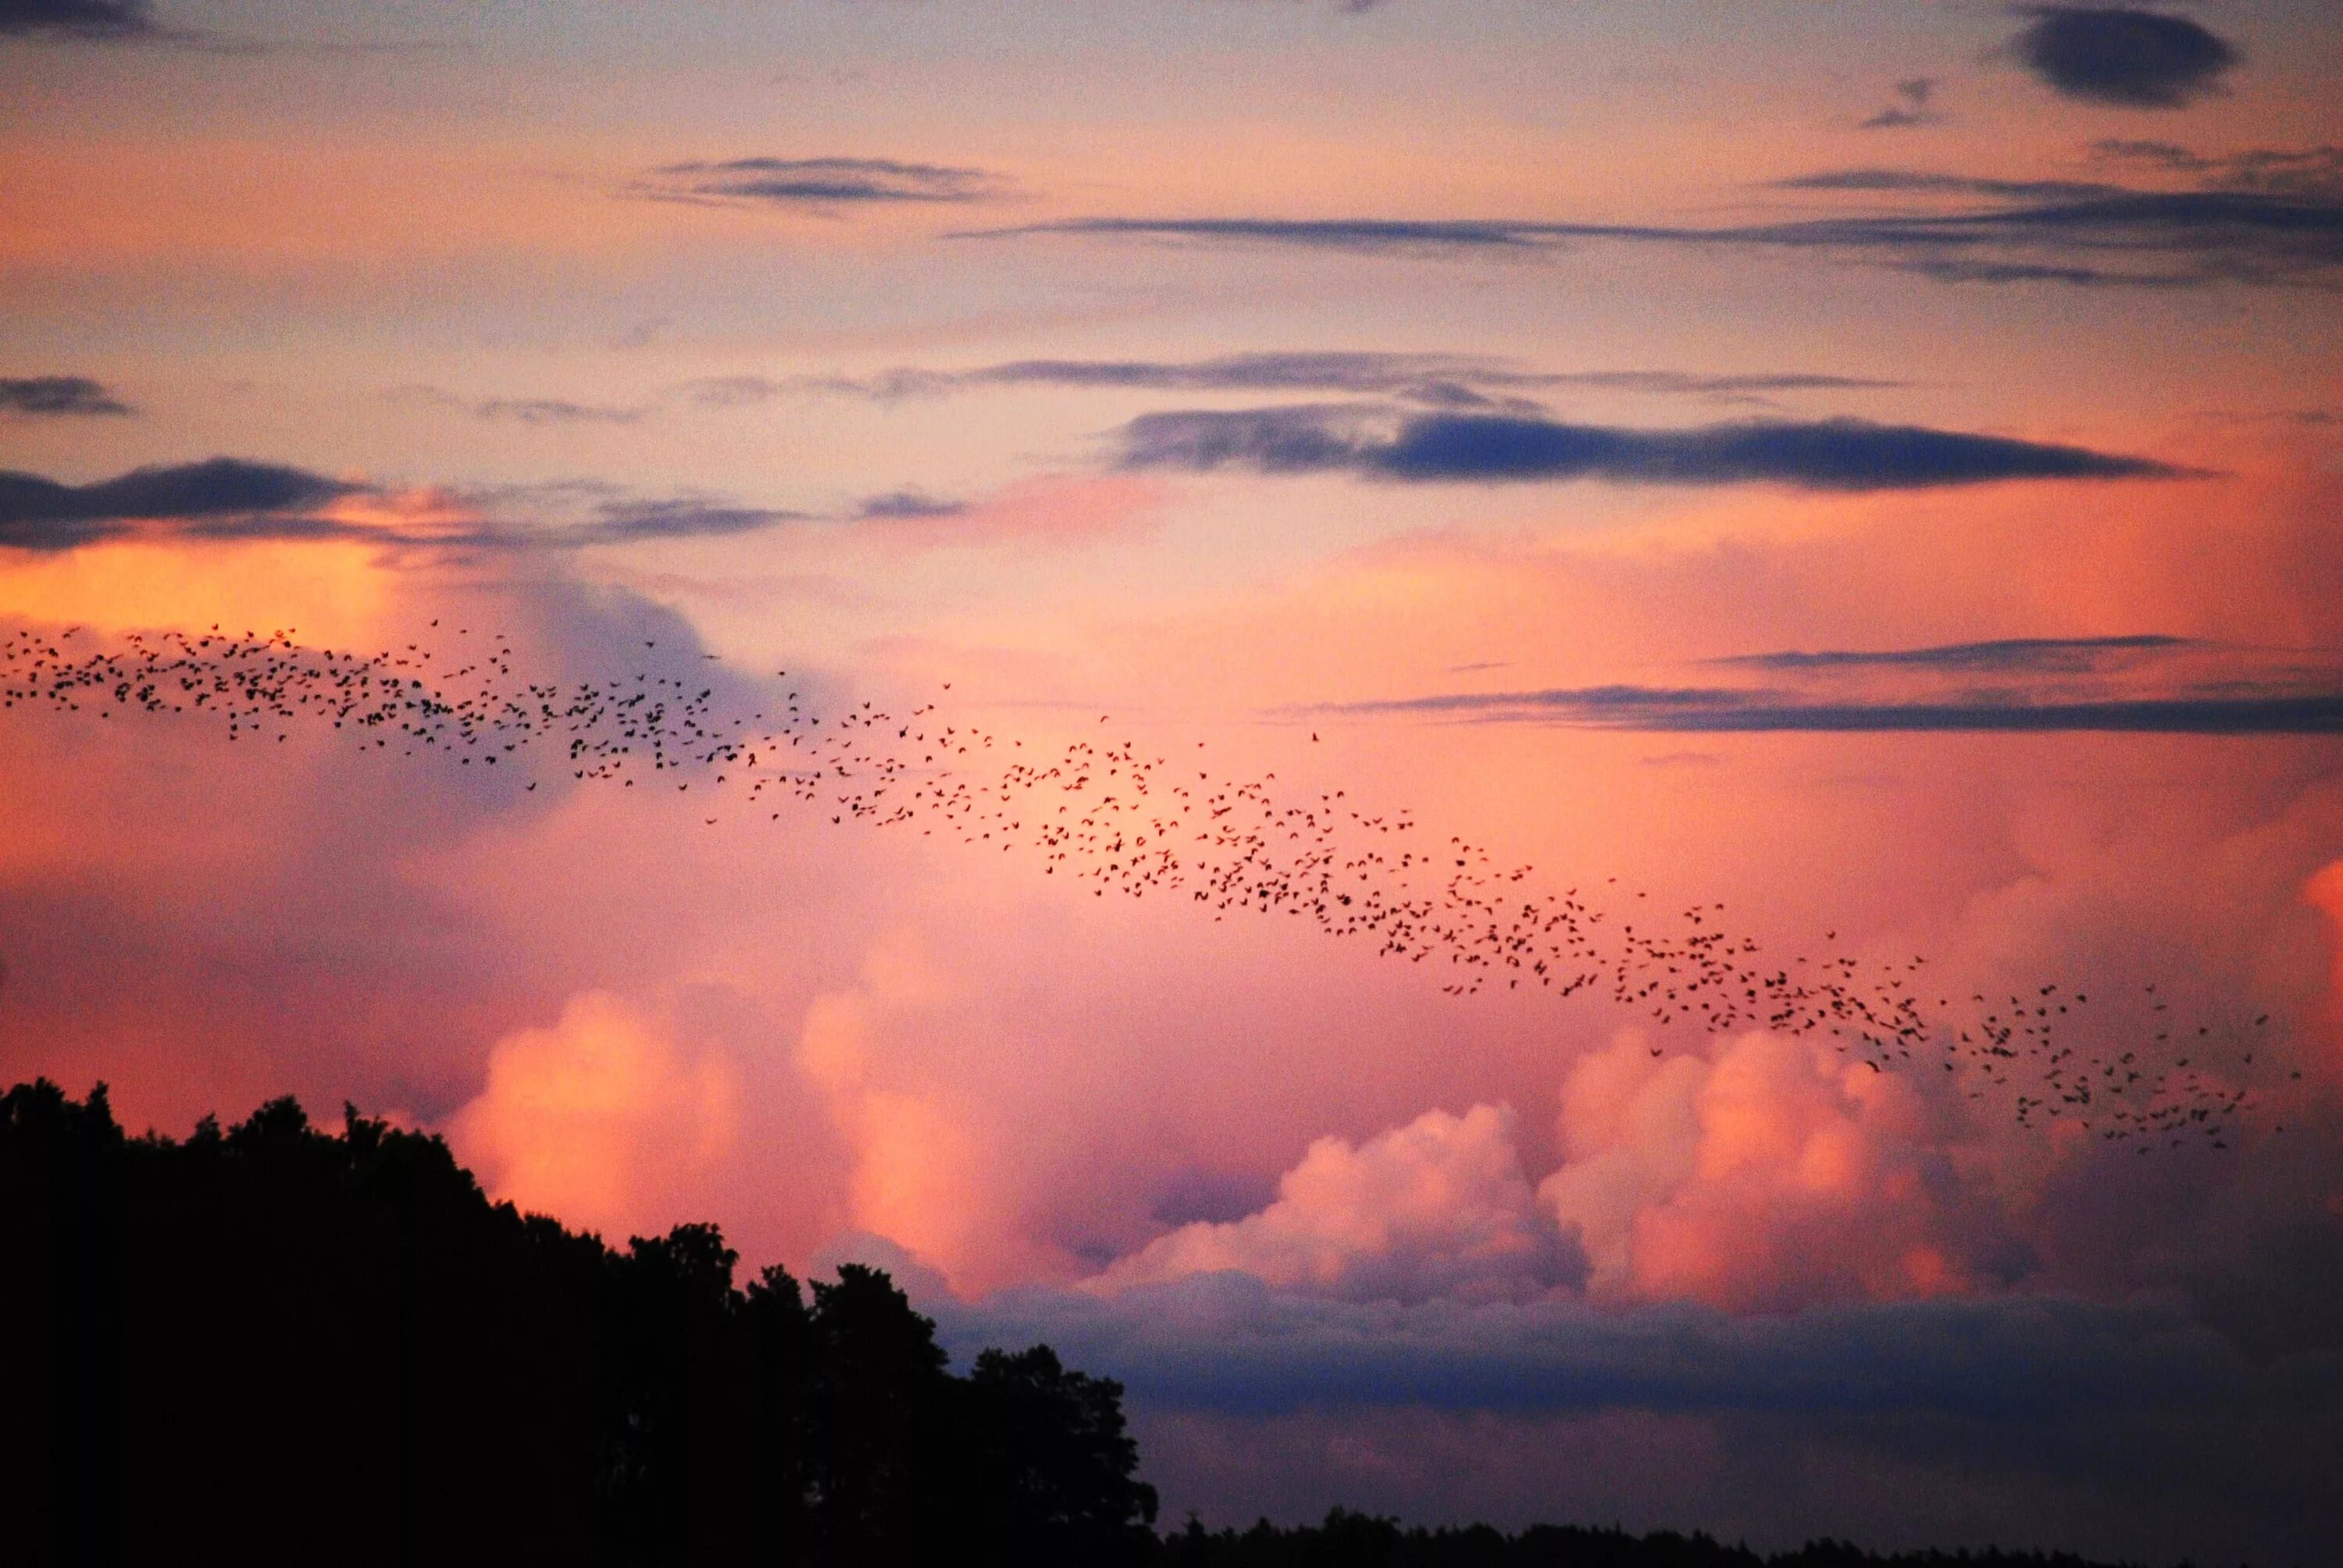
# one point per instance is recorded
(335, 1348)
(287, 1344)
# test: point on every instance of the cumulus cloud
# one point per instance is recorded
(923, 1176)
(1439, 1208)
(2122, 56)
(1828, 455)
(1774, 1175)
(57, 395)
(603, 1117)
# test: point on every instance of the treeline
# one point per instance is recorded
(1350, 1540)
(270, 1343)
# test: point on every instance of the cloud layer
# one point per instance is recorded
(1434, 380)
(36, 513)
(2123, 238)
(2142, 684)
(1825, 455)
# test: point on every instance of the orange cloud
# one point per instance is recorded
(336, 594)
(2325, 893)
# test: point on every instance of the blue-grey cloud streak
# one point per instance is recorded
(1431, 380)
(820, 182)
(1827, 454)
(2090, 237)
(2144, 683)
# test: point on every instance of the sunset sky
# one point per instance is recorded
(1874, 465)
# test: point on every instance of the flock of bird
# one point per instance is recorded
(1137, 824)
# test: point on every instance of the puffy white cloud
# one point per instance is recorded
(1772, 1174)
(1439, 1207)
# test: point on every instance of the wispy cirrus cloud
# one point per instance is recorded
(2035, 655)
(523, 410)
(1431, 380)
(555, 411)
(2136, 684)
(2059, 233)
(1845, 455)
(2286, 171)
(1915, 105)
(1917, 181)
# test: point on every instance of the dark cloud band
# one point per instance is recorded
(2003, 1358)
(2032, 655)
(1827, 454)
(228, 499)
(2136, 684)
(827, 181)
(99, 19)
(2089, 236)
(36, 513)
(67, 395)
(1690, 711)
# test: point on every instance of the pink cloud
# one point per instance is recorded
(1770, 1174)
(1436, 1208)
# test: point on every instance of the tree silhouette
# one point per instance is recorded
(284, 1345)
